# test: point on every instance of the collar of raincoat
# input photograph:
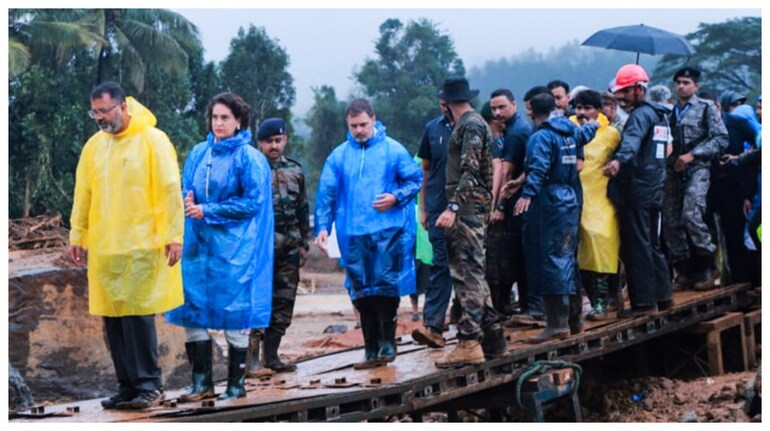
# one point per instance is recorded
(379, 135)
(560, 125)
(230, 144)
(141, 118)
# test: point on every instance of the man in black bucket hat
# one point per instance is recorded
(469, 192)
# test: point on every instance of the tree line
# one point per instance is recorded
(56, 56)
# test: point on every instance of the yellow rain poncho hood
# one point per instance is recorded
(127, 208)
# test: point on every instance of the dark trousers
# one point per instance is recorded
(133, 345)
(726, 200)
(374, 311)
(646, 267)
(439, 290)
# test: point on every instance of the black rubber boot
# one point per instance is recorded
(370, 327)
(254, 366)
(236, 373)
(493, 341)
(272, 361)
(576, 314)
(387, 345)
(557, 316)
(199, 355)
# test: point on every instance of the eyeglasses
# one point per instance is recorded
(93, 113)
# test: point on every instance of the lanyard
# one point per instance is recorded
(679, 112)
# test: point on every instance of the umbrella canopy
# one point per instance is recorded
(641, 38)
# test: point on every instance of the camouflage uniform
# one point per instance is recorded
(292, 232)
(469, 184)
(700, 131)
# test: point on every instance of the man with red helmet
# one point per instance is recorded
(637, 173)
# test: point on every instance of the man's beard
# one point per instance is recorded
(112, 127)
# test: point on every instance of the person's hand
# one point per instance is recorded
(682, 161)
(320, 241)
(189, 199)
(579, 164)
(173, 253)
(729, 160)
(496, 216)
(194, 211)
(746, 208)
(384, 202)
(424, 219)
(522, 206)
(511, 187)
(446, 219)
(77, 255)
(302, 256)
(611, 169)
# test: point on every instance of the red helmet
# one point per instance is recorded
(629, 75)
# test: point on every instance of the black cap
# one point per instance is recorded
(457, 90)
(687, 72)
(271, 127)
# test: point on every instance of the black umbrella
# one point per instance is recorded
(641, 38)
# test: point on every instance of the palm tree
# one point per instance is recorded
(47, 33)
(136, 37)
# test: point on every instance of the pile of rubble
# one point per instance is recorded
(36, 233)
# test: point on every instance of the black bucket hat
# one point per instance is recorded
(457, 90)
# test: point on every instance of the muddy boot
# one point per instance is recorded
(708, 274)
(684, 279)
(199, 355)
(599, 305)
(387, 350)
(556, 316)
(576, 321)
(254, 366)
(493, 341)
(370, 327)
(272, 360)
(236, 373)
(467, 352)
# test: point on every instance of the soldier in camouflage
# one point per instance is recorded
(699, 137)
(468, 189)
(292, 233)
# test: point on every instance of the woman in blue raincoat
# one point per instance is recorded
(227, 260)
(367, 188)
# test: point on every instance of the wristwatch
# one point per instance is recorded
(454, 207)
(500, 207)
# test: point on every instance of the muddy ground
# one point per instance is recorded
(646, 399)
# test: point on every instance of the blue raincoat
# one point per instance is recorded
(227, 260)
(550, 226)
(377, 247)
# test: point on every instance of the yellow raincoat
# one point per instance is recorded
(127, 207)
(599, 231)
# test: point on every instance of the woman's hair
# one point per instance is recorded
(240, 109)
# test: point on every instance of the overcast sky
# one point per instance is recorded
(326, 45)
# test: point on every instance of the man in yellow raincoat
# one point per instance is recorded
(127, 223)
(599, 233)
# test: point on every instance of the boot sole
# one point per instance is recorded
(197, 397)
(421, 338)
(368, 364)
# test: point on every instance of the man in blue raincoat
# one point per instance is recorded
(367, 188)
(551, 208)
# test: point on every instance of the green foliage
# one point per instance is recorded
(729, 55)
(327, 120)
(572, 63)
(411, 63)
(256, 69)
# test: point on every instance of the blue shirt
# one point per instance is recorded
(433, 148)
